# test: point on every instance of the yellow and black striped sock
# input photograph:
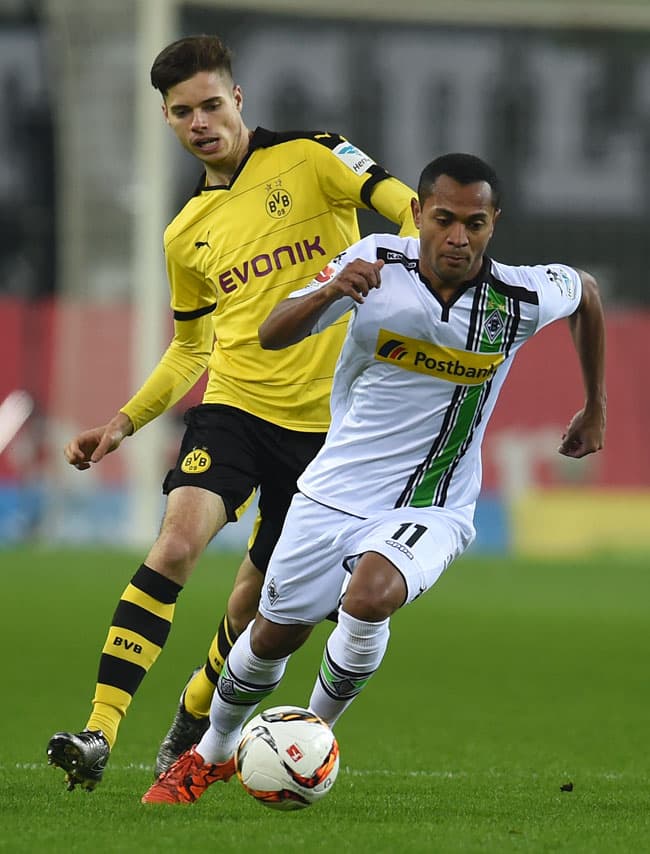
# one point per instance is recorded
(198, 694)
(140, 627)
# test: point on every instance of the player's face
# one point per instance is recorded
(456, 222)
(205, 114)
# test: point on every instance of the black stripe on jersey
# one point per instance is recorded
(474, 331)
(447, 426)
(443, 486)
(119, 673)
(377, 174)
(390, 256)
(133, 617)
(263, 138)
(512, 325)
(192, 315)
(515, 292)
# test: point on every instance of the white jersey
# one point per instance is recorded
(417, 379)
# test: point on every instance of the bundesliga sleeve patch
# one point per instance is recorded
(561, 279)
(353, 158)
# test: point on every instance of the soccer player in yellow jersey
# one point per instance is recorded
(272, 208)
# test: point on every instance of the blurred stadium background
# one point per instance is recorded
(556, 95)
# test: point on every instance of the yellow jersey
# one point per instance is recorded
(233, 252)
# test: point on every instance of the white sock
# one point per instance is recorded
(352, 654)
(244, 682)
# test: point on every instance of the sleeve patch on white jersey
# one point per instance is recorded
(325, 275)
(353, 158)
(561, 279)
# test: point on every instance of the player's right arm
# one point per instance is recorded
(178, 370)
(193, 302)
(295, 317)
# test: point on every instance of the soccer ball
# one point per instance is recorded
(287, 758)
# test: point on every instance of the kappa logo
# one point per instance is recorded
(196, 462)
(393, 349)
(400, 548)
(391, 256)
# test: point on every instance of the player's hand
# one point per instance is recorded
(356, 280)
(584, 435)
(92, 445)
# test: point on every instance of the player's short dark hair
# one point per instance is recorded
(463, 168)
(186, 57)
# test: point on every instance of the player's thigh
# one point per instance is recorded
(192, 517)
(219, 454)
(306, 575)
(197, 513)
(419, 543)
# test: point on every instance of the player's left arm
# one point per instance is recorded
(586, 432)
(392, 199)
(348, 176)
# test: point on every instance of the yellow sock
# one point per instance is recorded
(139, 629)
(107, 718)
(198, 694)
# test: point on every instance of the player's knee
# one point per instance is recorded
(370, 608)
(272, 641)
(176, 553)
(372, 602)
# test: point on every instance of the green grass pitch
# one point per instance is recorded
(507, 682)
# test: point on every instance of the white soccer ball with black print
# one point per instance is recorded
(288, 758)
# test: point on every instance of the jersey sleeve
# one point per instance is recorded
(191, 292)
(559, 289)
(392, 199)
(178, 370)
(349, 176)
(193, 300)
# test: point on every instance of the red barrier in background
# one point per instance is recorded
(544, 390)
(81, 383)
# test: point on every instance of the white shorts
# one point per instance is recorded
(319, 547)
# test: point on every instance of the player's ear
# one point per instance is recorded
(165, 111)
(238, 97)
(416, 211)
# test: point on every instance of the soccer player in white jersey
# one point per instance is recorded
(270, 209)
(388, 502)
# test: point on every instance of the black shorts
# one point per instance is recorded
(232, 453)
